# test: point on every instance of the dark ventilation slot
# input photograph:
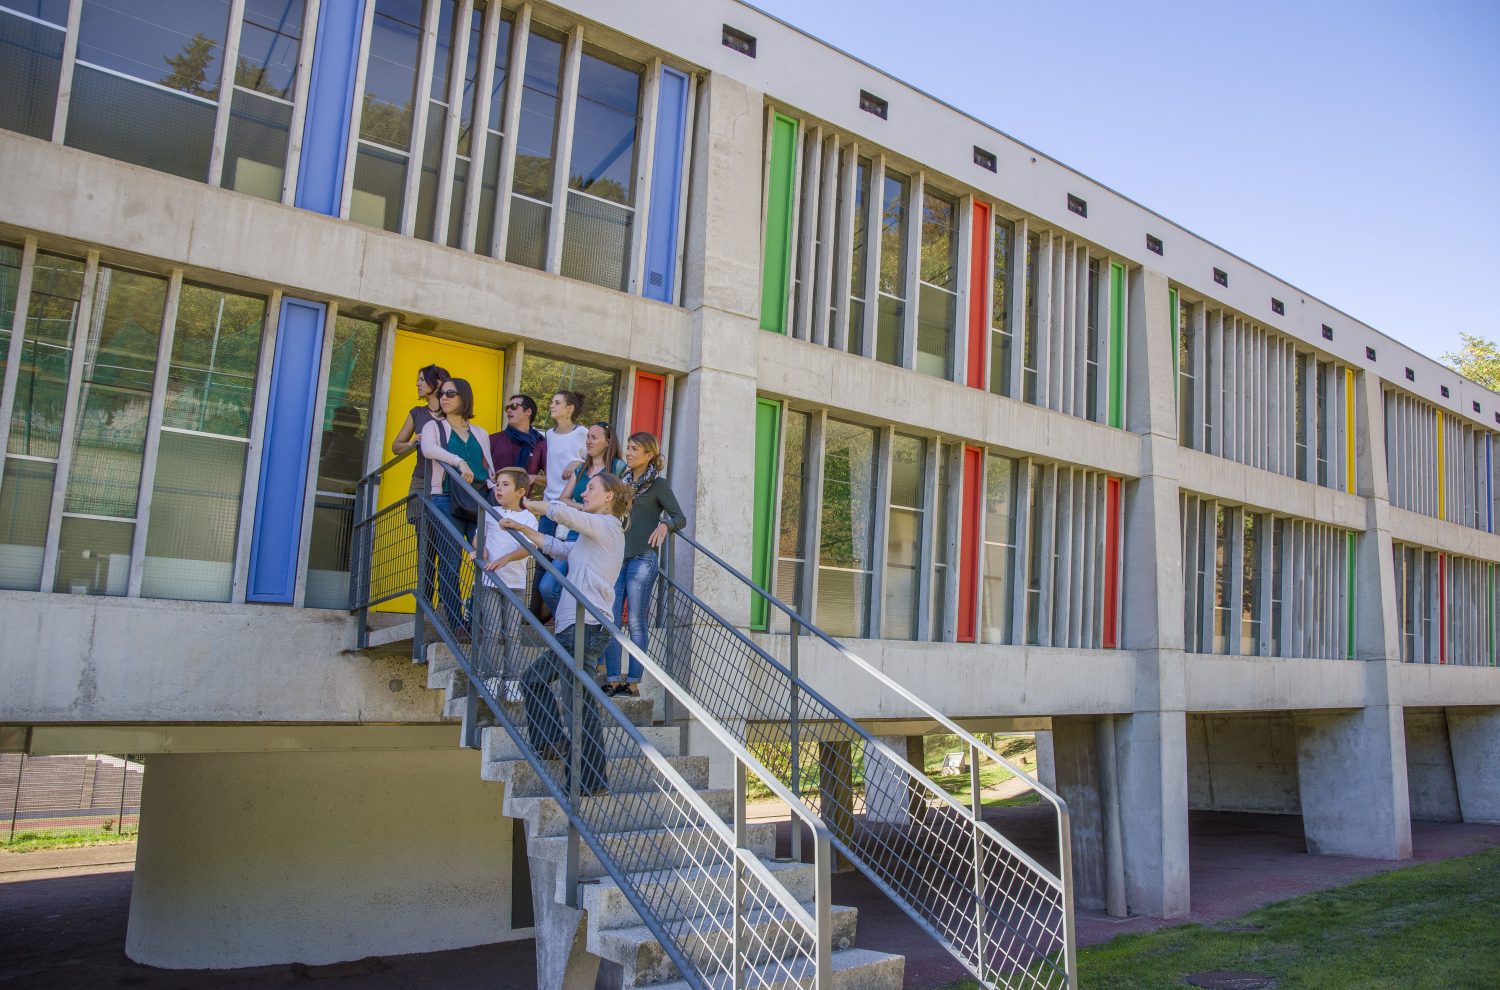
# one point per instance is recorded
(1476, 407)
(870, 103)
(1078, 206)
(1327, 332)
(1278, 307)
(1411, 376)
(1222, 277)
(985, 159)
(1444, 390)
(739, 41)
(1369, 353)
(1153, 244)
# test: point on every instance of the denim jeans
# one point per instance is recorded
(450, 596)
(637, 578)
(546, 726)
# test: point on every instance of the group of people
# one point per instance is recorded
(602, 514)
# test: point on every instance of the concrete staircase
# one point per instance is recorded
(571, 944)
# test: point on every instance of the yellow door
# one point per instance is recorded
(482, 367)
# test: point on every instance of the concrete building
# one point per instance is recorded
(1041, 455)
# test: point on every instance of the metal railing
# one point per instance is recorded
(1002, 914)
(723, 918)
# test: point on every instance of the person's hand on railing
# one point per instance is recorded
(658, 536)
(466, 471)
(519, 527)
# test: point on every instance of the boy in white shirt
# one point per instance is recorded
(505, 562)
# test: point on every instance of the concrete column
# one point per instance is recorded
(254, 859)
(1151, 747)
(889, 796)
(1431, 785)
(836, 792)
(1351, 767)
(1376, 634)
(1076, 772)
(1474, 734)
(1046, 758)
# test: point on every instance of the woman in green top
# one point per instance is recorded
(453, 440)
(644, 534)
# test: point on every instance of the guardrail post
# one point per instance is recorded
(741, 841)
(424, 590)
(664, 613)
(823, 911)
(794, 732)
(359, 565)
(977, 799)
(575, 755)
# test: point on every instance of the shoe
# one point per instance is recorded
(553, 751)
(598, 791)
(512, 691)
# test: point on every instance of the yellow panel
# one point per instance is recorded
(483, 367)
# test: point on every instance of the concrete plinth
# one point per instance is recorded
(1474, 735)
(253, 859)
(1351, 768)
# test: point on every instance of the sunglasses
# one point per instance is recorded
(512, 407)
(449, 393)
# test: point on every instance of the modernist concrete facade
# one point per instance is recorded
(1040, 454)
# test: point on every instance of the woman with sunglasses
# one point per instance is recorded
(455, 441)
(601, 456)
(651, 499)
(429, 380)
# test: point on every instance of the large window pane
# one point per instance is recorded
(1000, 329)
(542, 376)
(859, 260)
(10, 285)
(391, 73)
(30, 63)
(790, 552)
(346, 421)
(379, 187)
(118, 371)
(143, 125)
(211, 384)
(596, 241)
(999, 547)
(432, 154)
(178, 44)
(538, 128)
(901, 592)
(936, 312)
(940, 563)
(604, 130)
(25, 499)
(255, 148)
(889, 329)
(46, 356)
(93, 557)
(526, 240)
(846, 548)
(270, 40)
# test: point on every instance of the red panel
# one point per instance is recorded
(1442, 608)
(1112, 564)
(968, 543)
(650, 404)
(979, 276)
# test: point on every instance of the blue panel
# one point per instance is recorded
(666, 181)
(330, 106)
(284, 452)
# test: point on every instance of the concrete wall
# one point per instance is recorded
(1243, 763)
(1429, 763)
(253, 859)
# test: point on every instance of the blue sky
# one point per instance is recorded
(1352, 149)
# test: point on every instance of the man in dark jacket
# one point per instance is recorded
(518, 445)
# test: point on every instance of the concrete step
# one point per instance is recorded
(643, 960)
(625, 775)
(637, 711)
(608, 907)
(853, 969)
(499, 745)
(646, 850)
(544, 816)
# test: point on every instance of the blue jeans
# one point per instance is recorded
(548, 586)
(637, 578)
(451, 597)
(546, 726)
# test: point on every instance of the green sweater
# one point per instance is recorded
(646, 511)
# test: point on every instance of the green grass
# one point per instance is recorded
(1429, 927)
(25, 842)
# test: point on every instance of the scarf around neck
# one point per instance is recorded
(643, 482)
(525, 443)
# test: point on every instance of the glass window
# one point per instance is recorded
(791, 558)
(175, 45)
(937, 303)
(941, 569)
(536, 148)
(386, 114)
(10, 285)
(1299, 377)
(1250, 587)
(999, 547)
(543, 376)
(1186, 379)
(846, 550)
(341, 459)
(1278, 547)
(437, 121)
(1091, 349)
(30, 64)
(200, 464)
(902, 592)
(260, 116)
(1028, 354)
(859, 261)
(1034, 555)
(1324, 370)
(1000, 330)
(494, 145)
(1222, 604)
(891, 316)
(109, 440)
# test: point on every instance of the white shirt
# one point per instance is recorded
(562, 449)
(502, 542)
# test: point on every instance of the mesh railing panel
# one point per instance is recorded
(683, 871)
(995, 908)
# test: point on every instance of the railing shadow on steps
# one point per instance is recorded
(1004, 916)
(722, 917)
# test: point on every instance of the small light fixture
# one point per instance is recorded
(739, 41)
(985, 159)
(1077, 205)
(870, 103)
(1154, 245)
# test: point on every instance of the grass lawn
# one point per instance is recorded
(25, 842)
(1422, 928)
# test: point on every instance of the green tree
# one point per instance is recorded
(190, 67)
(1478, 360)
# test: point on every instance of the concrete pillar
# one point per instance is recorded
(889, 796)
(1432, 789)
(1351, 767)
(1046, 759)
(1151, 747)
(1474, 734)
(836, 792)
(1076, 772)
(254, 859)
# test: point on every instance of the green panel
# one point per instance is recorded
(767, 439)
(1349, 590)
(1172, 307)
(776, 268)
(1117, 345)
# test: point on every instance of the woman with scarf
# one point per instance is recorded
(645, 533)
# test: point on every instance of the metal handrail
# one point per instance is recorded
(1062, 880)
(817, 925)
